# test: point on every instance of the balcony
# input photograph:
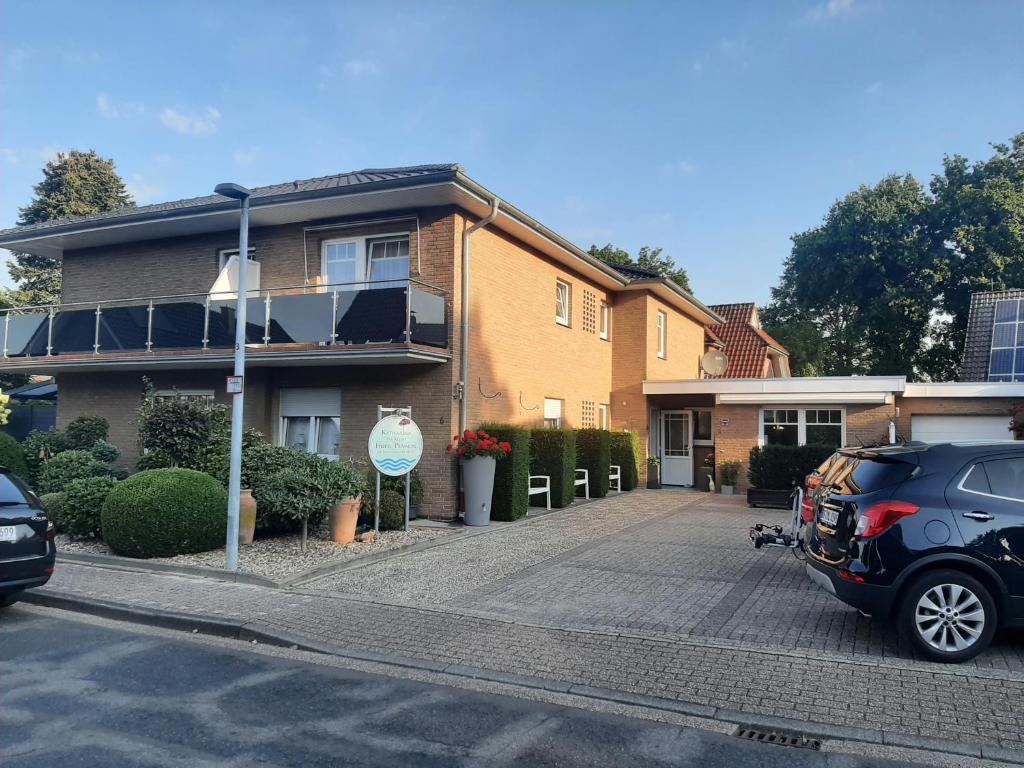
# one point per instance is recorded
(391, 321)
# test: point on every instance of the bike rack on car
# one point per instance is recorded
(766, 535)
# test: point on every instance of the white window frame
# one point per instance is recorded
(362, 258)
(703, 440)
(313, 417)
(226, 253)
(662, 334)
(313, 436)
(556, 419)
(566, 318)
(368, 244)
(604, 416)
(606, 320)
(801, 415)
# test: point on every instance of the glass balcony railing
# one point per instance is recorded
(407, 311)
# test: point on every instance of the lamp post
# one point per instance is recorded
(236, 192)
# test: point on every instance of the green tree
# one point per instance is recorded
(647, 258)
(74, 184)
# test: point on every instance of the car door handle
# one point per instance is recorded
(981, 517)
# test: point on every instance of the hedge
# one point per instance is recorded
(780, 467)
(626, 452)
(53, 504)
(79, 514)
(57, 473)
(593, 453)
(553, 453)
(165, 512)
(12, 456)
(511, 499)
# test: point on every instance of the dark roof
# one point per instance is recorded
(746, 343)
(353, 178)
(978, 344)
(38, 390)
(632, 271)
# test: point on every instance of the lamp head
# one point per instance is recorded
(234, 191)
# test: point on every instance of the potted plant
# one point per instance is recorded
(654, 472)
(342, 487)
(478, 453)
(729, 471)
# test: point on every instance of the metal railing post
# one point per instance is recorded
(149, 327)
(206, 322)
(266, 323)
(408, 312)
(49, 335)
(334, 319)
(96, 337)
(7, 324)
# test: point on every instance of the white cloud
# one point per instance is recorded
(247, 156)
(829, 10)
(360, 67)
(193, 125)
(686, 168)
(113, 111)
(141, 190)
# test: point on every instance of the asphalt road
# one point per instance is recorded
(76, 693)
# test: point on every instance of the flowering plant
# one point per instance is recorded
(478, 443)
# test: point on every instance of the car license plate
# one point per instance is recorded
(829, 516)
(8, 533)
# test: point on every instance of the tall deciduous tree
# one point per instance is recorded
(74, 184)
(647, 258)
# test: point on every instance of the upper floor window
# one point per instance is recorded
(226, 253)
(662, 332)
(389, 260)
(606, 321)
(552, 413)
(378, 261)
(563, 302)
(1006, 361)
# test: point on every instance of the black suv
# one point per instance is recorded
(27, 551)
(929, 535)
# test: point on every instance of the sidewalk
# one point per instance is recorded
(878, 702)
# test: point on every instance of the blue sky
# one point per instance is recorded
(714, 130)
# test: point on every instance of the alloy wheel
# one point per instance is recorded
(950, 617)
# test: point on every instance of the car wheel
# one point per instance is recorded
(11, 599)
(948, 616)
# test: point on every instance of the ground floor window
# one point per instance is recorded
(802, 426)
(552, 413)
(603, 416)
(311, 420)
(201, 395)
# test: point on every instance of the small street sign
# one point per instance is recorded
(234, 385)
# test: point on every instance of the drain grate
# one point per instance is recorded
(778, 738)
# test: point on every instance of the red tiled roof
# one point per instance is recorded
(746, 345)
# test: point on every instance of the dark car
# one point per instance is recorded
(27, 551)
(928, 535)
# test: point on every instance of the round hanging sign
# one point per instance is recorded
(395, 445)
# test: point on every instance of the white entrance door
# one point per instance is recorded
(676, 448)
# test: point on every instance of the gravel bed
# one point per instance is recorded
(278, 557)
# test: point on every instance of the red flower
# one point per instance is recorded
(506, 447)
(483, 434)
(449, 449)
(469, 435)
(461, 451)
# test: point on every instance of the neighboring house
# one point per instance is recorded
(751, 352)
(994, 348)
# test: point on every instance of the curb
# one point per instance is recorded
(128, 564)
(254, 632)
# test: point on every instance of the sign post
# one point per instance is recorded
(395, 447)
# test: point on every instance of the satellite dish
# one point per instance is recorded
(714, 362)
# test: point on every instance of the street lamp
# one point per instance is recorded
(236, 192)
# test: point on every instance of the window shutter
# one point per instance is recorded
(311, 402)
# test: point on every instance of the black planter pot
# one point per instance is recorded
(653, 476)
(764, 497)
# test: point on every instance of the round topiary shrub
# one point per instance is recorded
(57, 473)
(81, 505)
(86, 431)
(165, 512)
(105, 452)
(12, 456)
(392, 511)
(53, 504)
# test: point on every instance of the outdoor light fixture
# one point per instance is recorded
(240, 193)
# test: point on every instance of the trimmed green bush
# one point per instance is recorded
(50, 443)
(81, 506)
(780, 467)
(12, 456)
(392, 511)
(182, 429)
(53, 503)
(626, 452)
(553, 453)
(154, 460)
(397, 484)
(85, 431)
(291, 495)
(55, 474)
(593, 453)
(165, 512)
(106, 452)
(511, 499)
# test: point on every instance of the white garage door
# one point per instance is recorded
(946, 429)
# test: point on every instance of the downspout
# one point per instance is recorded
(464, 373)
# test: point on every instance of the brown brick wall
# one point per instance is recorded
(868, 424)
(734, 440)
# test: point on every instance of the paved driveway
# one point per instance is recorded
(666, 564)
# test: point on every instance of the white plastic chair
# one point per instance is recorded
(545, 488)
(584, 481)
(615, 476)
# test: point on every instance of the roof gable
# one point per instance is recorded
(746, 344)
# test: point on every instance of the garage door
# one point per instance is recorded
(945, 429)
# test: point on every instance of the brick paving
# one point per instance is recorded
(667, 601)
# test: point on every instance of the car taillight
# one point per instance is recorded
(879, 517)
(812, 481)
(807, 508)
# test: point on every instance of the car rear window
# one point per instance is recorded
(866, 475)
(12, 490)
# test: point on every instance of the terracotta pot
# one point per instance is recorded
(246, 517)
(344, 515)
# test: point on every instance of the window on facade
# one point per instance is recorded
(677, 434)
(200, 395)
(781, 427)
(341, 263)
(1006, 361)
(381, 262)
(662, 332)
(226, 253)
(824, 427)
(606, 321)
(702, 425)
(563, 302)
(389, 260)
(311, 421)
(603, 416)
(552, 413)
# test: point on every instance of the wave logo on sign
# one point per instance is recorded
(396, 466)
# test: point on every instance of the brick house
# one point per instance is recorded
(357, 302)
